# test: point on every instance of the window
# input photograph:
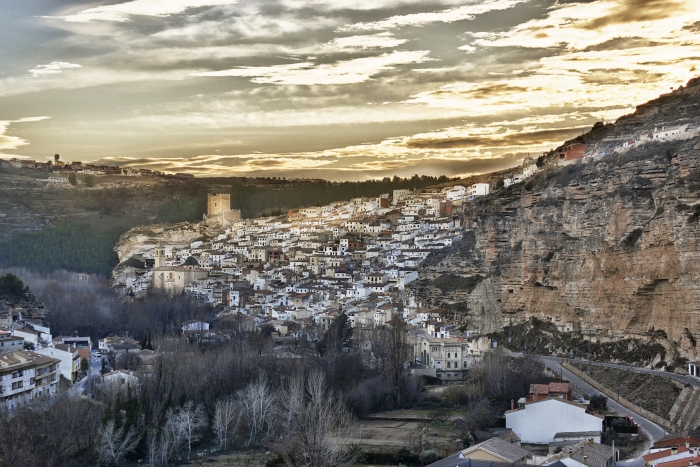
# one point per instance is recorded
(465, 364)
(448, 364)
(448, 355)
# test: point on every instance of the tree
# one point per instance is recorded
(227, 417)
(339, 332)
(11, 284)
(598, 402)
(257, 402)
(84, 365)
(317, 425)
(72, 179)
(191, 419)
(89, 181)
(399, 351)
(113, 443)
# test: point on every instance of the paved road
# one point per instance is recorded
(654, 431)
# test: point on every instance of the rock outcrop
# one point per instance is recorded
(141, 241)
(611, 243)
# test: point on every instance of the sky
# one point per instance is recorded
(334, 89)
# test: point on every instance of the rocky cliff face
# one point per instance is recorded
(141, 241)
(612, 243)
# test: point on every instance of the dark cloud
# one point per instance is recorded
(495, 141)
(631, 11)
(621, 43)
(695, 27)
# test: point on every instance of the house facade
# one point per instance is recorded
(539, 422)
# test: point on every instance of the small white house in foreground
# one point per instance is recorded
(539, 422)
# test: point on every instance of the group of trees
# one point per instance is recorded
(237, 392)
(67, 245)
(90, 307)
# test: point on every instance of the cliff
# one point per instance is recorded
(611, 243)
(141, 241)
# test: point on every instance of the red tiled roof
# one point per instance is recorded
(681, 462)
(539, 389)
(661, 454)
(549, 388)
(560, 387)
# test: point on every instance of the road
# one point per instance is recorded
(663, 374)
(654, 431)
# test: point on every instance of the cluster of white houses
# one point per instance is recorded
(299, 271)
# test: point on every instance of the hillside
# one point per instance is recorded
(45, 227)
(611, 244)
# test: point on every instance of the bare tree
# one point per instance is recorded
(113, 443)
(227, 417)
(258, 403)
(317, 425)
(191, 419)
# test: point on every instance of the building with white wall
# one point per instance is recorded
(479, 189)
(538, 422)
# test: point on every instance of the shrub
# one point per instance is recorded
(598, 402)
(11, 284)
(428, 457)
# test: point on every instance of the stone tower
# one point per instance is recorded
(159, 256)
(219, 209)
(218, 204)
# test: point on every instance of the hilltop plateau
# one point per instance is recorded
(609, 244)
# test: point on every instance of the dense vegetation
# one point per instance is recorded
(452, 282)
(72, 246)
(177, 210)
(542, 337)
(253, 200)
(12, 285)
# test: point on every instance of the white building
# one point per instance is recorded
(479, 189)
(530, 170)
(538, 422)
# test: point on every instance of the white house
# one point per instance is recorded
(529, 170)
(479, 189)
(538, 422)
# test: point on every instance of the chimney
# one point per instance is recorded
(583, 450)
(512, 404)
(674, 451)
(571, 452)
(590, 441)
(585, 460)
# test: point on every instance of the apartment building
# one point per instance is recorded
(26, 376)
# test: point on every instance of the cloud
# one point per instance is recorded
(122, 12)
(14, 142)
(450, 15)
(511, 139)
(380, 40)
(343, 72)
(52, 68)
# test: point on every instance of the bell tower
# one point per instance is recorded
(159, 255)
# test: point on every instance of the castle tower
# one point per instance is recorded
(159, 256)
(218, 204)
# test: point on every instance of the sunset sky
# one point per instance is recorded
(336, 89)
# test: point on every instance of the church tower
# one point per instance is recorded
(159, 255)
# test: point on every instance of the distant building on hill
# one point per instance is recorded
(572, 152)
(219, 209)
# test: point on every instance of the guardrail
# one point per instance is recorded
(621, 400)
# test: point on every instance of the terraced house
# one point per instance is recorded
(25, 377)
